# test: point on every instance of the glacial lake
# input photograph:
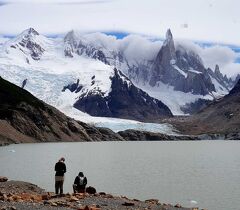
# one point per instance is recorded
(206, 172)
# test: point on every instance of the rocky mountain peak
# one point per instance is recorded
(28, 34)
(32, 31)
(30, 43)
(218, 72)
(71, 43)
(70, 36)
(169, 36)
(169, 44)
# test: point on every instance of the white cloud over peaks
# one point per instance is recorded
(136, 47)
(222, 55)
(208, 20)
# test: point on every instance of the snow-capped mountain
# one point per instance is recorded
(103, 76)
(51, 73)
(30, 43)
(124, 100)
(173, 73)
(181, 69)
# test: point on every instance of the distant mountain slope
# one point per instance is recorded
(24, 118)
(219, 117)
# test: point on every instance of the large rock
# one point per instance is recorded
(3, 179)
(91, 190)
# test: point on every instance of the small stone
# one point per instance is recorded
(13, 208)
(83, 208)
(53, 204)
(152, 201)
(36, 197)
(46, 197)
(128, 204)
(10, 199)
(94, 208)
(102, 193)
(5, 197)
(16, 197)
(73, 199)
(109, 196)
(178, 206)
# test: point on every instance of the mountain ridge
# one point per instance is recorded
(75, 56)
(24, 118)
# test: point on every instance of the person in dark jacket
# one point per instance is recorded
(80, 183)
(60, 169)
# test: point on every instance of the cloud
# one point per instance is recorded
(137, 48)
(56, 1)
(225, 56)
(140, 48)
(206, 20)
(134, 47)
(2, 3)
(3, 39)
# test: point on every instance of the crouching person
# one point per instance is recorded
(80, 183)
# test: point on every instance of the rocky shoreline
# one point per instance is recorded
(18, 195)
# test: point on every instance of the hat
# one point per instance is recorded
(62, 159)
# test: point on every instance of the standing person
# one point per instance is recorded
(80, 183)
(60, 169)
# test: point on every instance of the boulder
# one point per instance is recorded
(91, 190)
(3, 179)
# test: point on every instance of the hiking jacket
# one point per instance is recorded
(60, 169)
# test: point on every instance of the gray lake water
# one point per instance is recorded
(207, 172)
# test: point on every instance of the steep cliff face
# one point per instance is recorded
(24, 118)
(123, 101)
(180, 68)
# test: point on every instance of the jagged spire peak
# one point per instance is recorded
(169, 35)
